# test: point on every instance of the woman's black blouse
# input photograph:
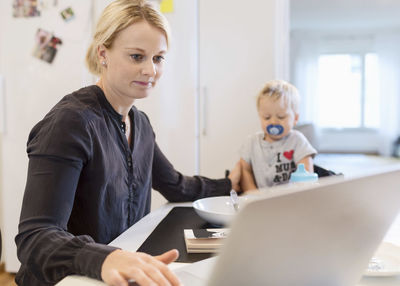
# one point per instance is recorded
(86, 186)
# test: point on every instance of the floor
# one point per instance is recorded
(6, 279)
(354, 164)
(358, 164)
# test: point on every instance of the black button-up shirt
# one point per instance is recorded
(86, 186)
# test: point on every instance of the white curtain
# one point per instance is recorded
(304, 73)
(387, 48)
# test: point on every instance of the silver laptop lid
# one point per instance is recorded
(319, 235)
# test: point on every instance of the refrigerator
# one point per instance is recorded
(41, 60)
(42, 55)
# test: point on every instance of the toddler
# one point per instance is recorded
(269, 157)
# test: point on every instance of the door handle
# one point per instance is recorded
(2, 105)
(204, 103)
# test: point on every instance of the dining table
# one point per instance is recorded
(134, 238)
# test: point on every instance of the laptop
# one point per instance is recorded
(314, 235)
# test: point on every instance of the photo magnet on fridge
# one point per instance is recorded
(67, 14)
(46, 46)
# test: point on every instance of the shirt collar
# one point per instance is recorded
(105, 104)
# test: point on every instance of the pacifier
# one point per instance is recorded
(275, 129)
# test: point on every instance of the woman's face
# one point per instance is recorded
(134, 62)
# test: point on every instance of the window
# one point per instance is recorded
(347, 90)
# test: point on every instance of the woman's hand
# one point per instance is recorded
(234, 176)
(120, 266)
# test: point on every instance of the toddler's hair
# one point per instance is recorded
(277, 89)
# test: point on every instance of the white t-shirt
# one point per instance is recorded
(272, 163)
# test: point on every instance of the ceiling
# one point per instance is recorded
(344, 14)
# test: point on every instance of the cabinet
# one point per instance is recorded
(242, 45)
(222, 52)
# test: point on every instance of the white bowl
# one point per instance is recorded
(217, 210)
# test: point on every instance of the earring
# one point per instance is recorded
(104, 63)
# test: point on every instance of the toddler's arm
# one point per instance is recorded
(308, 163)
(247, 181)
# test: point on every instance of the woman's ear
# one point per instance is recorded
(101, 53)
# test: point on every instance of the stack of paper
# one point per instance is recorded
(204, 240)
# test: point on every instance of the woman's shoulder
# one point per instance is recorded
(66, 130)
(84, 99)
(79, 107)
(73, 110)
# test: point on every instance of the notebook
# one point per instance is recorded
(204, 240)
(323, 234)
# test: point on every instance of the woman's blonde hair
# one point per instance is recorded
(277, 89)
(117, 16)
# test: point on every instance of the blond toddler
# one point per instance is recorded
(269, 157)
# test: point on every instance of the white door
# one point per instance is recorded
(171, 106)
(242, 45)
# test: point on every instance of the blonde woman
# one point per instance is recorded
(93, 160)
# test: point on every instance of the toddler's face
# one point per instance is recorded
(276, 117)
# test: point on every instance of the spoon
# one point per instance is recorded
(235, 200)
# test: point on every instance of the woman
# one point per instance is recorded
(93, 160)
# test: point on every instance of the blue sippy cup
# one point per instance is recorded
(301, 175)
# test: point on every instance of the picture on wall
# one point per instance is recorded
(25, 8)
(46, 45)
(67, 14)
